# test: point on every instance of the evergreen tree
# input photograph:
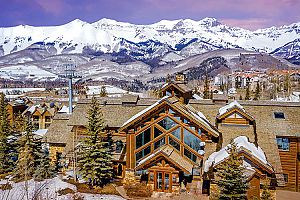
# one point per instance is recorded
(45, 169)
(232, 183)
(257, 91)
(95, 159)
(247, 97)
(29, 154)
(103, 92)
(5, 137)
(206, 87)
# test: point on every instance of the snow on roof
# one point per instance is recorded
(196, 96)
(224, 109)
(241, 142)
(145, 110)
(32, 109)
(40, 132)
(65, 109)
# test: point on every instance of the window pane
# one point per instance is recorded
(143, 138)
(191, 140)
(173, 143)
(142, 153)
(157, 132)
(176, 133)
(283, 144)
(190, 155)
(279, 115)
(167, 123)
(159, 143)
(119, 146)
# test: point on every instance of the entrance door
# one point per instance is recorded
(162, 181)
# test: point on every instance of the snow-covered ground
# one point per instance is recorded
(294, 97)
(19, 72)
(112, 91)
(47, 189)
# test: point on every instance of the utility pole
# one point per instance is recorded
(70, 74)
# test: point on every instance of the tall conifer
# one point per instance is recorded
(29, 155)
(5, 134)
(95, 159)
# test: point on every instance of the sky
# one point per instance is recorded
(249, 14)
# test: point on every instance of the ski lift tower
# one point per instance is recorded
(70, 74)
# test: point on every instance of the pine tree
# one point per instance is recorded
(29, 155)
(206, 87)
(5, 137)
(232, 183)
(257, 91)
(95, 159)
(103, 92)
(247, 97)
(45, 169)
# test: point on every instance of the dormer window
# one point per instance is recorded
(279, 115)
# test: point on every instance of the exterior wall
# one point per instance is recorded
(254, 188)
(54, 149)
(230, 132)
(290, 165)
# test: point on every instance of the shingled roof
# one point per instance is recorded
(59, 131)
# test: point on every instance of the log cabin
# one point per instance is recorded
(166, 141)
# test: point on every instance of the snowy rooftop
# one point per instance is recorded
(224, 109)
(242, 143)
(41, 132)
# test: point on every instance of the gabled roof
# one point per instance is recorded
(176, 105)
(233, 107)
(178, 85)
(170, 155)
(246, 149)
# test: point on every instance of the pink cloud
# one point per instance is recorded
(250, 24)
(55, 7)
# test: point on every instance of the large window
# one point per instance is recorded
(142, 153)
(167, 123)
(157, 132)
(176, 133)
(283, 144)
(143, 138)
(159, 143)
(174, 144)
(191, 140)
(190, 155)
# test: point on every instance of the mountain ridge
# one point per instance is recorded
(106, 35)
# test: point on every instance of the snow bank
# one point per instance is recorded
(47, 189)
(241, 142)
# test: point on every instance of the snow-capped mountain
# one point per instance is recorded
(186, 37)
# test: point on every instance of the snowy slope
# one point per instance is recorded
(108, 35)
(21, 72)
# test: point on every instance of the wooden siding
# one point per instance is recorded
(290, 165)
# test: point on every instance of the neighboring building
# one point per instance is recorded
(167, 141)
(41, 114)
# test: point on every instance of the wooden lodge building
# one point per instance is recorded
(168, 141)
